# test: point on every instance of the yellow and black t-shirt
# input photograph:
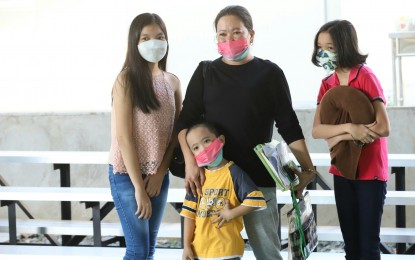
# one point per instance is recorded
(229, 182)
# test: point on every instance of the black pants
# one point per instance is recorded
(359, 208)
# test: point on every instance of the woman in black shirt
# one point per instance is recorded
(244, 95)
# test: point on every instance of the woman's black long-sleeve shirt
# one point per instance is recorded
(244, 101)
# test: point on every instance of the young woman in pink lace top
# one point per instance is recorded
(146, 101)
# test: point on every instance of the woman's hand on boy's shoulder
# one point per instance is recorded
(195, 178)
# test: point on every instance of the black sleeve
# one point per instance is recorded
(243, 184)
(286, 120)
(193, 106)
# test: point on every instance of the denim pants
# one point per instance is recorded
(262, 228)
(360, 208)
(140, 234)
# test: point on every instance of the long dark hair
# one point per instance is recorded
(138, 79)
(344, 38)
(238, 11)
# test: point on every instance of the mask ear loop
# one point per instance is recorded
(215, 42)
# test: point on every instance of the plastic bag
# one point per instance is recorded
(302, 229)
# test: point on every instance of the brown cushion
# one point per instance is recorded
(344, 104)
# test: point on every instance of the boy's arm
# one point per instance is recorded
(227, 214)
(189, 229)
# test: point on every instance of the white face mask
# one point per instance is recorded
(153, 50)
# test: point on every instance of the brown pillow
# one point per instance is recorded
(345, 104)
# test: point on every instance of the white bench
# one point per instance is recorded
(62, 159)
(95, 157)
(71, 227)
(79, 227)
(83, 194)
(12, 252)
(173, 230)
(96, 228)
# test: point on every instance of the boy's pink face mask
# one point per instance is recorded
(210, 154)
(233, 49)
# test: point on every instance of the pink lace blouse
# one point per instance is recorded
(151, 132)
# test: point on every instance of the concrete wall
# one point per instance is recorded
(91, 132)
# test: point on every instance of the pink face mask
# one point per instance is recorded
(234, 50)
(210, 155)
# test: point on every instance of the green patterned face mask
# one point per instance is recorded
(327, 60)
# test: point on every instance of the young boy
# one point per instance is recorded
(213, 219)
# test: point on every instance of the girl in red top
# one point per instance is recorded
(359, 202)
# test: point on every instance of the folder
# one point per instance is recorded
(274, 155)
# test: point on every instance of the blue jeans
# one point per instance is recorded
(140, 234)
(360, 208)
(262, 228)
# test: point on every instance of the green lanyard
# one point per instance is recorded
(304, 252)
